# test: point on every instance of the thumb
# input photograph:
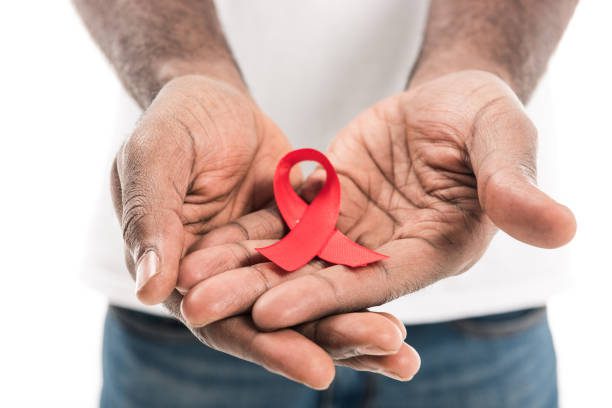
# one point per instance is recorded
(149, 186)
(503, 156)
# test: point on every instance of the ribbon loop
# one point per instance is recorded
(313, 226)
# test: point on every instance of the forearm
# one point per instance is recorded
(149, 42)
(512, 39)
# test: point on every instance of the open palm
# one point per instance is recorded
(426, 177)
(202, 155)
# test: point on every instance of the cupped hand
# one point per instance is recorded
(201, 156)
(427, 177)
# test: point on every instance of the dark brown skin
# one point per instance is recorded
(150, 42)
(427, 176)
(512, 39)
(202, 155)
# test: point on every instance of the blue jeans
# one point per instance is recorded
(504, 360)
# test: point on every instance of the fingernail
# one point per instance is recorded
(372, 351)
(147, 267)
(396, 376)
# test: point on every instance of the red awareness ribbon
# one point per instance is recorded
(313, 226)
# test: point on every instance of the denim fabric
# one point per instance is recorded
(504, 360)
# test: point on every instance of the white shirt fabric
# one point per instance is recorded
(312, 66)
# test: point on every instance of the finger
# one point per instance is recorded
(232, 292)
(354, 334)
(397, 322)
(412, 264)
(204, 263)
(149, 184)
(262, 224)
(285, 352)
(401, 366)
(275, 351)
(503, 155)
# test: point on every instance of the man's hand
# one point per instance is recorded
(199, 159)
(202, 155)
(426, 177)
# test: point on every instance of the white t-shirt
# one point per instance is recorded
(312, 66)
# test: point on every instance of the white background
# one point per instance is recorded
(57, 107)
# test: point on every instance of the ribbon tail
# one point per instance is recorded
(341, 250)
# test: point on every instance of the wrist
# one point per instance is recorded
(224, 70)
(428, 69)
(220, 68)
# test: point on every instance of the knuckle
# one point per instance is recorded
(241, 255)
(262, 276)
(271, 223)
(332, 287)
(240, 228)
